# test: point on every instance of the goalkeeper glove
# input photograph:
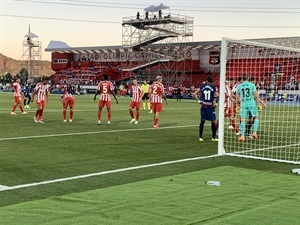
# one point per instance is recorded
(259, 107)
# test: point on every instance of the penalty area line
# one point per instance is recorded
(91, 132)
(8, 188)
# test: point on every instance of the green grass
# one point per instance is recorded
(177, 199)
(41, 152)
(279, 130)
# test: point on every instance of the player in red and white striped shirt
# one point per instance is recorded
(233, 93)
(228, 107)
(157, 93)
(105, 88)
(137, 94)
(67, 99)
(18, 97)
(40, 94)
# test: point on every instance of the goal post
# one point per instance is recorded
(273, 65)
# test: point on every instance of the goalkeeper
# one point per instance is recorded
(250, 118)
(248, 98)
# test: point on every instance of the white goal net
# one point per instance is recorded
(273, 66)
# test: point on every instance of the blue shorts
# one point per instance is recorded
(208, 113)
(26, 94)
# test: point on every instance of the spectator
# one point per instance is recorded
(159, 14)
(29, 41)
(178, 94)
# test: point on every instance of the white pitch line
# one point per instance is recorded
(3, 187)
(8, 188)
(49, 110)
(90, 132)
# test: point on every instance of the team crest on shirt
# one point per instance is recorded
(214, 57)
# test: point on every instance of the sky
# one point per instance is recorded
(83, 23)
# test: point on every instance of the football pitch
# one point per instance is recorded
(84, 173)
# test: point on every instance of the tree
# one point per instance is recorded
(8, 77)
(23, 74)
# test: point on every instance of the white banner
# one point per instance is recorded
(134, 56)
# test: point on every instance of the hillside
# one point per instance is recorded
(14, 66)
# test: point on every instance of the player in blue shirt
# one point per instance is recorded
(248, 98)
(209, 97)
(26, 92)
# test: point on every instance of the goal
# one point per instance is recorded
(274, 67)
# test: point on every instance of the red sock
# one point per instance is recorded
(21, 108)
(99, 115)
(41, 114)
(232, 123)
(14, 108)
(131, 114)
(137, 115)
(64, 113)
(71, 114)
(37, 113)
(108, 115)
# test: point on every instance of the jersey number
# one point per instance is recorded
(154, 90)
(207, 94)
(104, 90)
(246, 92)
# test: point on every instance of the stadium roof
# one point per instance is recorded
(58, 46)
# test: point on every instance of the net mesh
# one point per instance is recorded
(274, 67)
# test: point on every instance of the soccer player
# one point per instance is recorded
(248, 98)
(145, 88)
(228, 107)
(67, 100)
(27, 97)
(208, 99)
(105, 88)
(18, 98)
(235, 107)
(157, 93)
(250, 118)
(137, 94)
(40, 94)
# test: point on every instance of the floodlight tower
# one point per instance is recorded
(32, 54)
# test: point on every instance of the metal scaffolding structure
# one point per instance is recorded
(159, 44)
(32, 54)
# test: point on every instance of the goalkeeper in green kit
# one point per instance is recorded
(248, 99)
